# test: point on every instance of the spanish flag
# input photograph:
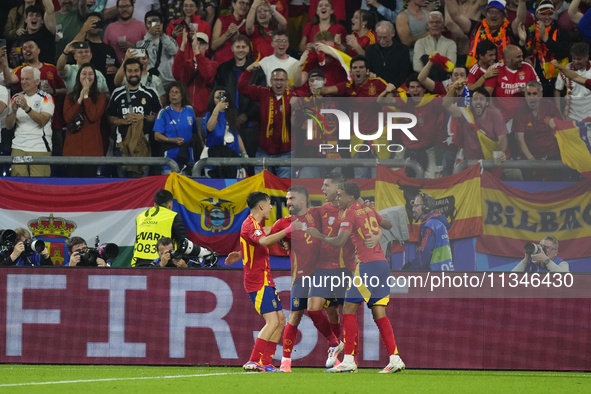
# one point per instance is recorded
(487, 145)
(575, 147)
(442, 61)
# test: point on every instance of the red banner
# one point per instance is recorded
(191, 317)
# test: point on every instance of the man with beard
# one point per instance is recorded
(494, 27)
(69, 21)
(478, 118)
(303, 252)
(275, 115)
(486, 53)
(279, 58)
(31, 113)
(82, 55)
(362, 86)
(41, 29)
(142, 101)
(124, 33)
(227, 75)
(534, 135)
(433, 250)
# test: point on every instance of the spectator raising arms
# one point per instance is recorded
(261, 21)
(83, 109)
(190, 20)
(221, 125)
(323, 20)
(226, 27)
(363, 34)
(176, 126)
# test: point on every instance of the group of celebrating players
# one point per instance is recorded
(339, 238)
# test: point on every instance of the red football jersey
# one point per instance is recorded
(508, 83)
(331, 257)
(362, 220)
(255, 257)
(367, 109)
(475, 73)
(304, 250)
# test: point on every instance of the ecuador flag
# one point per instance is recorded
(574, 141)
(457, 197)
(513, 217)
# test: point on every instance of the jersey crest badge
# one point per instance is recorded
(372, 90)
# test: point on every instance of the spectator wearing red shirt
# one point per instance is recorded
(362, 86)
(189, 20)
(338, 6)
(486, 53)
(195, 70)
(363, 25)
(226, 27)
(323, 57)
(323, 20)
(261, 21)
(275, 121)
(534, 134)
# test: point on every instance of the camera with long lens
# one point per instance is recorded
(36, 246)
(7, 239)
(188, 248)
(531, 248)
(105, 251)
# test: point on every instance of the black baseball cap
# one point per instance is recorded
(316, 73)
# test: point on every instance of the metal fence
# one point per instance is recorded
(514, 164)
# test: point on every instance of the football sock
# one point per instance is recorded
(356, 345)
(269, 352)
(336, 329)
(323, 326)
(289, 337)
(350, 332)
(259, 349)
(387, 334)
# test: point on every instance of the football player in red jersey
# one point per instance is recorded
(304, 252)
(258, 281)
(358, 224)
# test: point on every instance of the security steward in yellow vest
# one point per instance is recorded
(155, 223)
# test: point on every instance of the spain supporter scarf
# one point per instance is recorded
(284, 133)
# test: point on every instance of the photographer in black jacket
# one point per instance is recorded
(24, 251)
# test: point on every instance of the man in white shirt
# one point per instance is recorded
(32, 110)
(577, 96)
(434, 42)
(280, 58)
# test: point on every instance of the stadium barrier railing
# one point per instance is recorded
(514, 164)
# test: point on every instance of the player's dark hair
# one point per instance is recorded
(336, 177)
(483, 47)
(162, 197)
(299, 189)
(579, 49)
(255, 198)
(132, 60)
(352, 189)
(73, 241)
(164, 241)
(357, 59)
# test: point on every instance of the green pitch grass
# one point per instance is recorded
(162, 380)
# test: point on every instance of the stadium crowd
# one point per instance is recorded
(189, 79)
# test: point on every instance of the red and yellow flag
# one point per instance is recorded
(574, 144)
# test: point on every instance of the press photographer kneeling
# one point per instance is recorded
(185, 256)
(83, 256)
(542, 257)
(21, 250)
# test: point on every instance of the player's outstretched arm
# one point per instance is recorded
(338, 242)
(233, 257)
(272, 239)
